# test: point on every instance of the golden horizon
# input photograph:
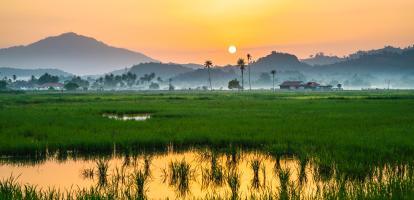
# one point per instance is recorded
(191, 32)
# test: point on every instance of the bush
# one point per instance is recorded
(154, 86)
(234, 84)
(3, 85)
(71, 86)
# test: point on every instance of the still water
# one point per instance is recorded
(126, 117)
(188, 174)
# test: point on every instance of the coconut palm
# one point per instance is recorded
(208, 64)
(242, 66)
(273, 72)
(249, 61)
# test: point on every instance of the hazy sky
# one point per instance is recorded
(195, 30)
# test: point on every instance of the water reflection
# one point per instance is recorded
(197, 174)
(126, 117)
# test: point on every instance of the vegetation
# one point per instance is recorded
(3, 85)
(242, 66)
(80, 82)
(234, 84)
(273, 72)
(249, 62)
(208, 64)
(71, 86)
(47, 78)
(347, 133)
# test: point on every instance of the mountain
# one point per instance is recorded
(322, 59)
(390, 62)
(24, 73)
(71, 52)
(386, 49)
(279, 61)
(193, 66)
(163, 70)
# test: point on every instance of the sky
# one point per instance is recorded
(187, 31)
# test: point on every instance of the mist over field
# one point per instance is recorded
(71, 54)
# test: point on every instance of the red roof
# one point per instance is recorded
(312, 84)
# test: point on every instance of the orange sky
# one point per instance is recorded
(196, 30)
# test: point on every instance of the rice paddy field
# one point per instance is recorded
(292, 145)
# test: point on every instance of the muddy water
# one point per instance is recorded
(208, 173)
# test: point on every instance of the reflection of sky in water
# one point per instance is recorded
(68, 174)
(125, 117)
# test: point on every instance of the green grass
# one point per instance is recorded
(351, 129)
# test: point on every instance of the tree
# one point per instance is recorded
(242, 66)
(80, 82)
(154, 86)
(234, 84)
(170, 86)
(207, 65)
(14, 77)
(273, 72)
(71, 86)
(249, 61)
(47, 78)
(3, 85)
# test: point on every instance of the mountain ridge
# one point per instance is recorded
(71, 52)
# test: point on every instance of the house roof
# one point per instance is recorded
(292, 83)
(312, 84)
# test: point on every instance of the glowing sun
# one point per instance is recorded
(232, 49)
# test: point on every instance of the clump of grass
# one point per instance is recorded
(180, 175)
(255, 165)
(147, 165)
(233, 180)
(284, 176)
(140, 180)
(102, 170)
(215, 174)
(88, 173)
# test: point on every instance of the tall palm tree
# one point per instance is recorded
(249, 61)
(273, 72)
(208, 64)
(242, 66)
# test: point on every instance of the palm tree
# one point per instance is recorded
(273, 72)
(208, 64)
(249, 61)
(242, 66)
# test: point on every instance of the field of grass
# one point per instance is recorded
(361, 126)
(348, 134)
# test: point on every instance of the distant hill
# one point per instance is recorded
(279, 61)
(390, 62)
(162, 70)
(9, 72)
(386, 49)
(322, 59)
(71, 52)
(192, 66)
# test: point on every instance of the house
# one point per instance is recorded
(311, 85)
(292, 85)
(47, 86)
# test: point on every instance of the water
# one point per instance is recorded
(125, 117)
(189, 174)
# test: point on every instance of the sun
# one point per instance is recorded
(232, 49)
